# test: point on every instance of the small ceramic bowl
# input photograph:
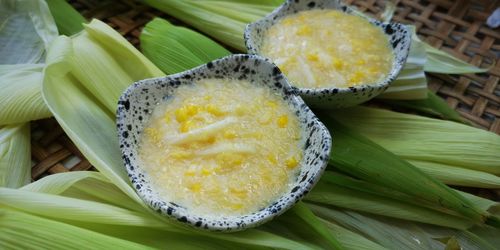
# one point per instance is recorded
(399, 37)
(139, 100)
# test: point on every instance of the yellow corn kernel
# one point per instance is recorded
(361, 62)
(195, 187)
(272, 159)
(206, 172)
(356, 77)
(240, 193)
(186, 126)
(207, 97)
(183, 113)
(236, 206)
(180, 155)
(229, 134)
(189, 173)
(287, 22)
(214, 110)
(312, 57)
(229, 160)
(282, 121)
(272, 104)
(337, 63)
(304, 30)
(291, 162)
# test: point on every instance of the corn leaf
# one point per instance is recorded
(439, 61)
(424, 139)
(174, 49)
(21, 98)
(20, 230)
(68, 20)
(350, 240)
(219, 19)
(398, 234)
(87, 119)
(15, 155)
(26, 30)
(360, 157)
(328, 194)
(458, 176)
(433, 105)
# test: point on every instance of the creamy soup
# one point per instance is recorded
(222, 147)
(328, 48)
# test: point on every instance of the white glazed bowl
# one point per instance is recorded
(138, 101)
(399, 37)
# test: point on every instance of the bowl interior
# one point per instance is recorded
(135, 107)
(398, 34)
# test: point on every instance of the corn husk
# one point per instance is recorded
(21, 98)
(15, 151)
(458, 176)
(85, 107)
(68, 20)
(174, 49)
(393, 233)
(19, 230)
(219, 19)
(26, 31)
(362, 158)
(424, 139)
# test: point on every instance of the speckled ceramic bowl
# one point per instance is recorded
(139, 100)
(399, 36)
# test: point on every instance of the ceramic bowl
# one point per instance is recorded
(399, 37)
(139, 100)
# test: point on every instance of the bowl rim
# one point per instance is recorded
(247, 220)
(384, 83)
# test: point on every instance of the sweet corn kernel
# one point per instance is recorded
(206, 172)
(282, 121)
(240, 193)
(312, 57)
(189, 173)
(186, 126)
(272, 159)
(183, 113)
(304, 30)
(291, 162)
(337, 63)
(214, 110)
(195, 187)
(229, 134)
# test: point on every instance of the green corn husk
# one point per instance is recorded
(424, 139)
(360, 157)
(217, 18)
(458, 176)
(15, 152)
(19, 230)
(174, 49)
(394, 233)
(68, 20)
(21, 98)
(433, 106)
(106, 217)
(26, 31)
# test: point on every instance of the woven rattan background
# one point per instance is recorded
(457, 27)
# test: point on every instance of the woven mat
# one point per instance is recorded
(457, 27)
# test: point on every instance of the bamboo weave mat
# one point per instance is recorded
(457, 27)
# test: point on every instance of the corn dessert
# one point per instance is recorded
(222, 147)
(328, 48)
